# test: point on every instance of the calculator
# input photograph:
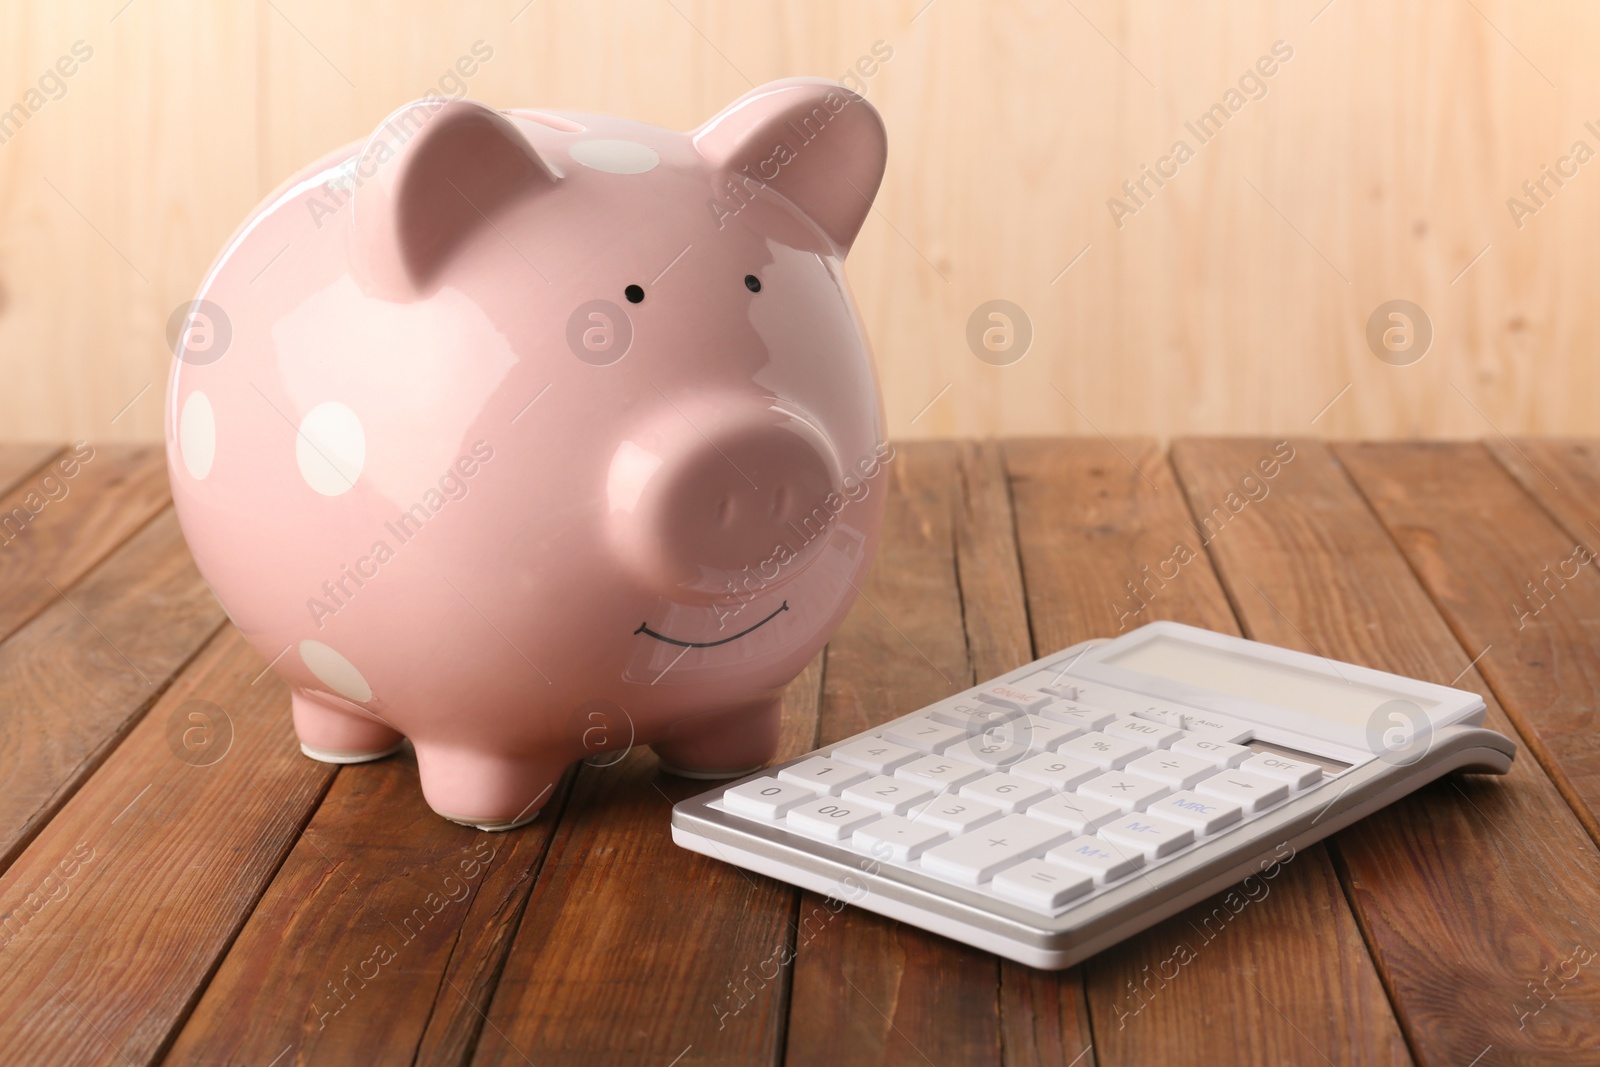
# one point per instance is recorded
(1068, 804)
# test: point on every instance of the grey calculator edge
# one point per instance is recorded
(1455, 741)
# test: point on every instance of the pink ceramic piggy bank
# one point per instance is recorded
(526, 436)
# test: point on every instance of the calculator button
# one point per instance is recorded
(1078, 715)
(1056, 771)
(823, 775)
(830, 818)
(970, 716)
(1250, 791)
(1014, 697)
(875, 754)
(903, 838)
(1102, 750)
(923, 733)
(1063, 690)
(1150, 734)
(1207, 814)
(1173, 768)
(1150, 834)
(1040, 885)
(1130, 792)
(1005, 792)
(1220, 753)
(1105, 860)
(1080, 814)
(974, 857)
(989, 750)
(1216, 727)
(894, 795)
(1041, 734)
(1297, 773)
(955, 814)
(940, 773)
(766, 798)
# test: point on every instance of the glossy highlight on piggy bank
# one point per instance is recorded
(538, 436)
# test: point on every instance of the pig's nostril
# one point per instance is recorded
(725, 512)
(780, 502)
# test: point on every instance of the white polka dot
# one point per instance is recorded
(334, 671)
(330, 448)
(197, 435)
(616, 157)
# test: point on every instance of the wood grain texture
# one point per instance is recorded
(76, 678)
(1490, 881)
(54, 526)
(1377, 163)
(892, 993)
(118, 911)
(1514, 587)
(1563, 475)
(351, 943)
(1044, 1015)
(1274, 971)
(632, 948)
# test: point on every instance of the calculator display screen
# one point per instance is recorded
(1255, 678)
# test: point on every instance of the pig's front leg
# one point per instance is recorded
(726, 745)
(333, 733)
(489, 791)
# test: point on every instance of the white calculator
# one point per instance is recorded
(1054, 811)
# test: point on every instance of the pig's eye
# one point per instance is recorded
(634, 293)
(752, 283)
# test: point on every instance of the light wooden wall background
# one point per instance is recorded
(1377, 167)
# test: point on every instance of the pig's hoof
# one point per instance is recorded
(328, 755)
(485, 791)
(338, 732)
(706, 773)
(493, 828)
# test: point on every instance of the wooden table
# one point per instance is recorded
(214, 897)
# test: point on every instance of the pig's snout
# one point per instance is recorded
(708, 492)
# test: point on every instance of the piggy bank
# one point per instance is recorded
(531, 436)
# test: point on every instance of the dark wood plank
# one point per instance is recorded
(17, 461)
(342, 959)
(1044, 1015)
(1282, 976)
(117, 912)
(631, 948)
(868, 989)
(1469, 889)
(63, 519)
(1512, 585)
(74, 680)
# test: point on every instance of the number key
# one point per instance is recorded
(830, 819)
(893, 795)
(766, 798)
(875, 754)
(1056, 771)
(823, 775)
(1005, 792)
(924, 733)
(939, 772)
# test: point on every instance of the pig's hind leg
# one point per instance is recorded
(725, 745)
(340, 734)
(485, 790)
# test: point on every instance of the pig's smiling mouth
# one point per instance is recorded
(644, 628)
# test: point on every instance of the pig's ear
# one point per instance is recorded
(812, 141)
(431, 175)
